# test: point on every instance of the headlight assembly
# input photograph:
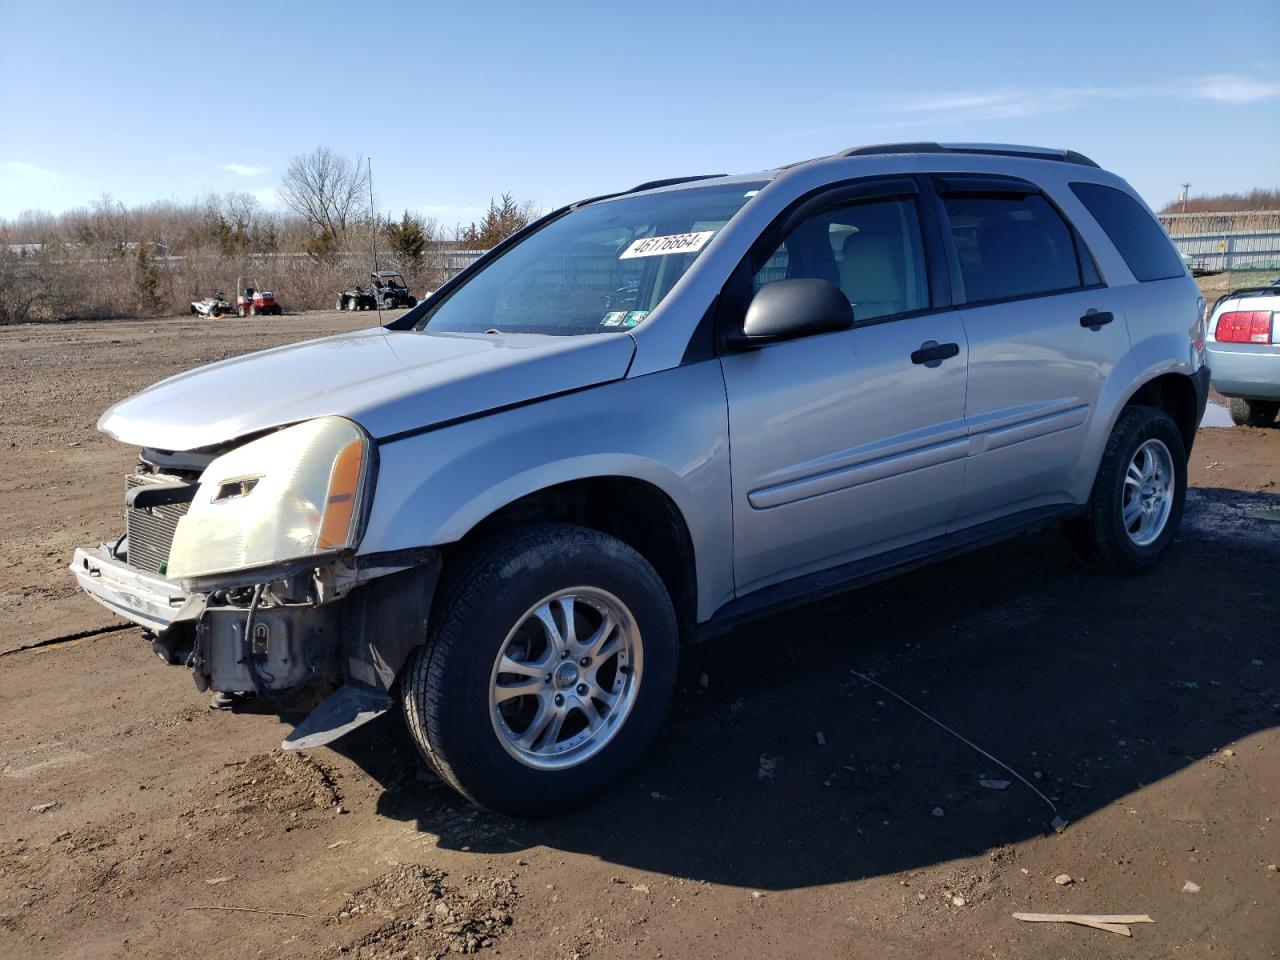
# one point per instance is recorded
(292, 495)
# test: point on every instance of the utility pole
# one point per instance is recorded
(1186, 193)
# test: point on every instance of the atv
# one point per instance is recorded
(213, 306)
(391, 290)
(252, 301)
(356, 298)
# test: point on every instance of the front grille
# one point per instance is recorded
(150, 531)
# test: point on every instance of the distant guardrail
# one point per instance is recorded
(1221, 242)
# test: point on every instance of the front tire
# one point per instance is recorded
(1254, 413)
(551, 660)
(1136, 506)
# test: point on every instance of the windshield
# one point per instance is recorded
(598, 269)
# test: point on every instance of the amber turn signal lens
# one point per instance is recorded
(339, 509)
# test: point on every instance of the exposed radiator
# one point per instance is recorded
(150, 531)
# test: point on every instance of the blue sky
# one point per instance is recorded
(557, 101)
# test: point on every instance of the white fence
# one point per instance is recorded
(1221, 242)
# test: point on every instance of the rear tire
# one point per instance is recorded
(341, 304)
(536, 753)
(241, 311)
(1254, 413)
(1136, 506)
(352, 304)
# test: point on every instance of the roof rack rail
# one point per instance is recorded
(874, 149)
(989, 149)
(672, 181)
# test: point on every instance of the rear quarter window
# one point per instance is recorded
(1140, 239)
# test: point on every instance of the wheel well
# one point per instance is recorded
(1175, 394)
(637, 513)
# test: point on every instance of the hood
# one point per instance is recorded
(385, 380)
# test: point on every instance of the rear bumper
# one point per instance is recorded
(1250, 372)
(147, 599)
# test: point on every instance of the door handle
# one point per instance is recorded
(932, 353)
(1094, 319)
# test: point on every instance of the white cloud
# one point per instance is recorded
(22, 172)
(974, 106)
(968, 106)
(1231, 88)
(245, 170)
(1001, 103)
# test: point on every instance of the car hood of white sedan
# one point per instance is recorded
(388, 381)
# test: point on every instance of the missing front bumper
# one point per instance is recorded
(356, 643)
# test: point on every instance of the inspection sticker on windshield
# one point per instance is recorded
(664, 246)
(623, 318)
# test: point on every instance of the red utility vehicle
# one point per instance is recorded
(251, 301)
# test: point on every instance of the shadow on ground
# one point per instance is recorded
(1088, 685)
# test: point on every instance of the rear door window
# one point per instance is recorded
(1012, 245)
(1136, 234)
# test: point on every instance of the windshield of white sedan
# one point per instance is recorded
(599, 269)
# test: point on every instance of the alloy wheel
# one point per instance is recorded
(1148, 492)
(565, 678)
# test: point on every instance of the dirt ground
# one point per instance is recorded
(792, 808)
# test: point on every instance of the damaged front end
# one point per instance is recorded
(243, 567)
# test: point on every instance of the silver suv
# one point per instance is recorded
(645, 418)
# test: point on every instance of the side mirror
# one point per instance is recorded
(787, 309)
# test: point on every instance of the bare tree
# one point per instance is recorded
(328, 190)
(33, 286)
(111, 260)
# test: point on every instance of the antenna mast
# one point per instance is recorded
(373, 236)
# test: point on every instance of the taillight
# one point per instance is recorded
(1252, 326)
